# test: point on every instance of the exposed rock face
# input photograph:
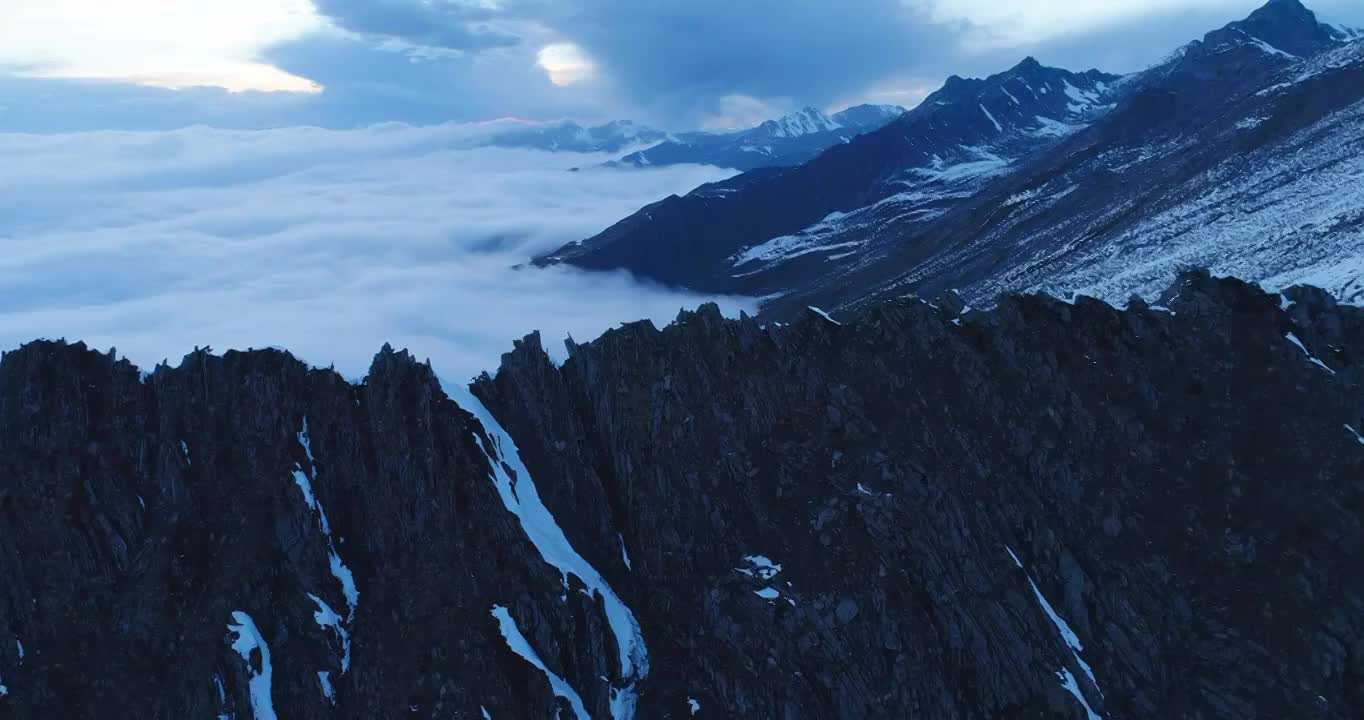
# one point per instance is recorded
(1046, 510)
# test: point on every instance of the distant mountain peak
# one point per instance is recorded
(1284, 27)
(868, 116)
(1275, 5)
(806, 121)
(1282, 12)
(1027, 82)
(786, 141)
(570, 136)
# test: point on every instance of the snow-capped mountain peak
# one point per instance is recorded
(806, 121)
(1280, 27)
(786, 141)
(1028, 98)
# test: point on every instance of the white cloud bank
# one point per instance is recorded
(166, 43)
(328, 243)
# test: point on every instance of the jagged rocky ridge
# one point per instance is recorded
(1044, 510)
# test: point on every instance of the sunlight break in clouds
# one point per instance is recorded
(565, 63)
(328, 243)
(165, 43)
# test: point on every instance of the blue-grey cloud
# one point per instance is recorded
(61, 105)
(672, 63)
(680, 57)
(678, 60)
(364, 84)
(446, 24)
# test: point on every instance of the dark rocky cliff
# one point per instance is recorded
(1044, 511)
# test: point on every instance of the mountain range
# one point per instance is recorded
(789, 140)
(1238, 153)
(569, 136)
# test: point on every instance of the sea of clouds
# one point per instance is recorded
(327, 243)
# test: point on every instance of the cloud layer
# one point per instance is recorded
(329, 243)
(446, 25)
(677, 58)
(158, 42)
(673, 63)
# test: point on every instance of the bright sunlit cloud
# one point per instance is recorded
(233, 77)
(164, 43)
(566, 64)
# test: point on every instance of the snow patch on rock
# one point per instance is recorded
(519, 495)
(325, 616)
(249, 639)
(519, 645)
(1071, 639)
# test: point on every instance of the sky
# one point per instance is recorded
(679, 64)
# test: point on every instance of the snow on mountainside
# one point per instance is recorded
(1025, 109)
(740, 235)
(1239, 152)
(790, 140)
(1263, 187)
(1288, 213)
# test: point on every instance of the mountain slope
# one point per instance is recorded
(789, 140)
(931, 157)
(1238, 153)
(1231, 157)
(1046, 510)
